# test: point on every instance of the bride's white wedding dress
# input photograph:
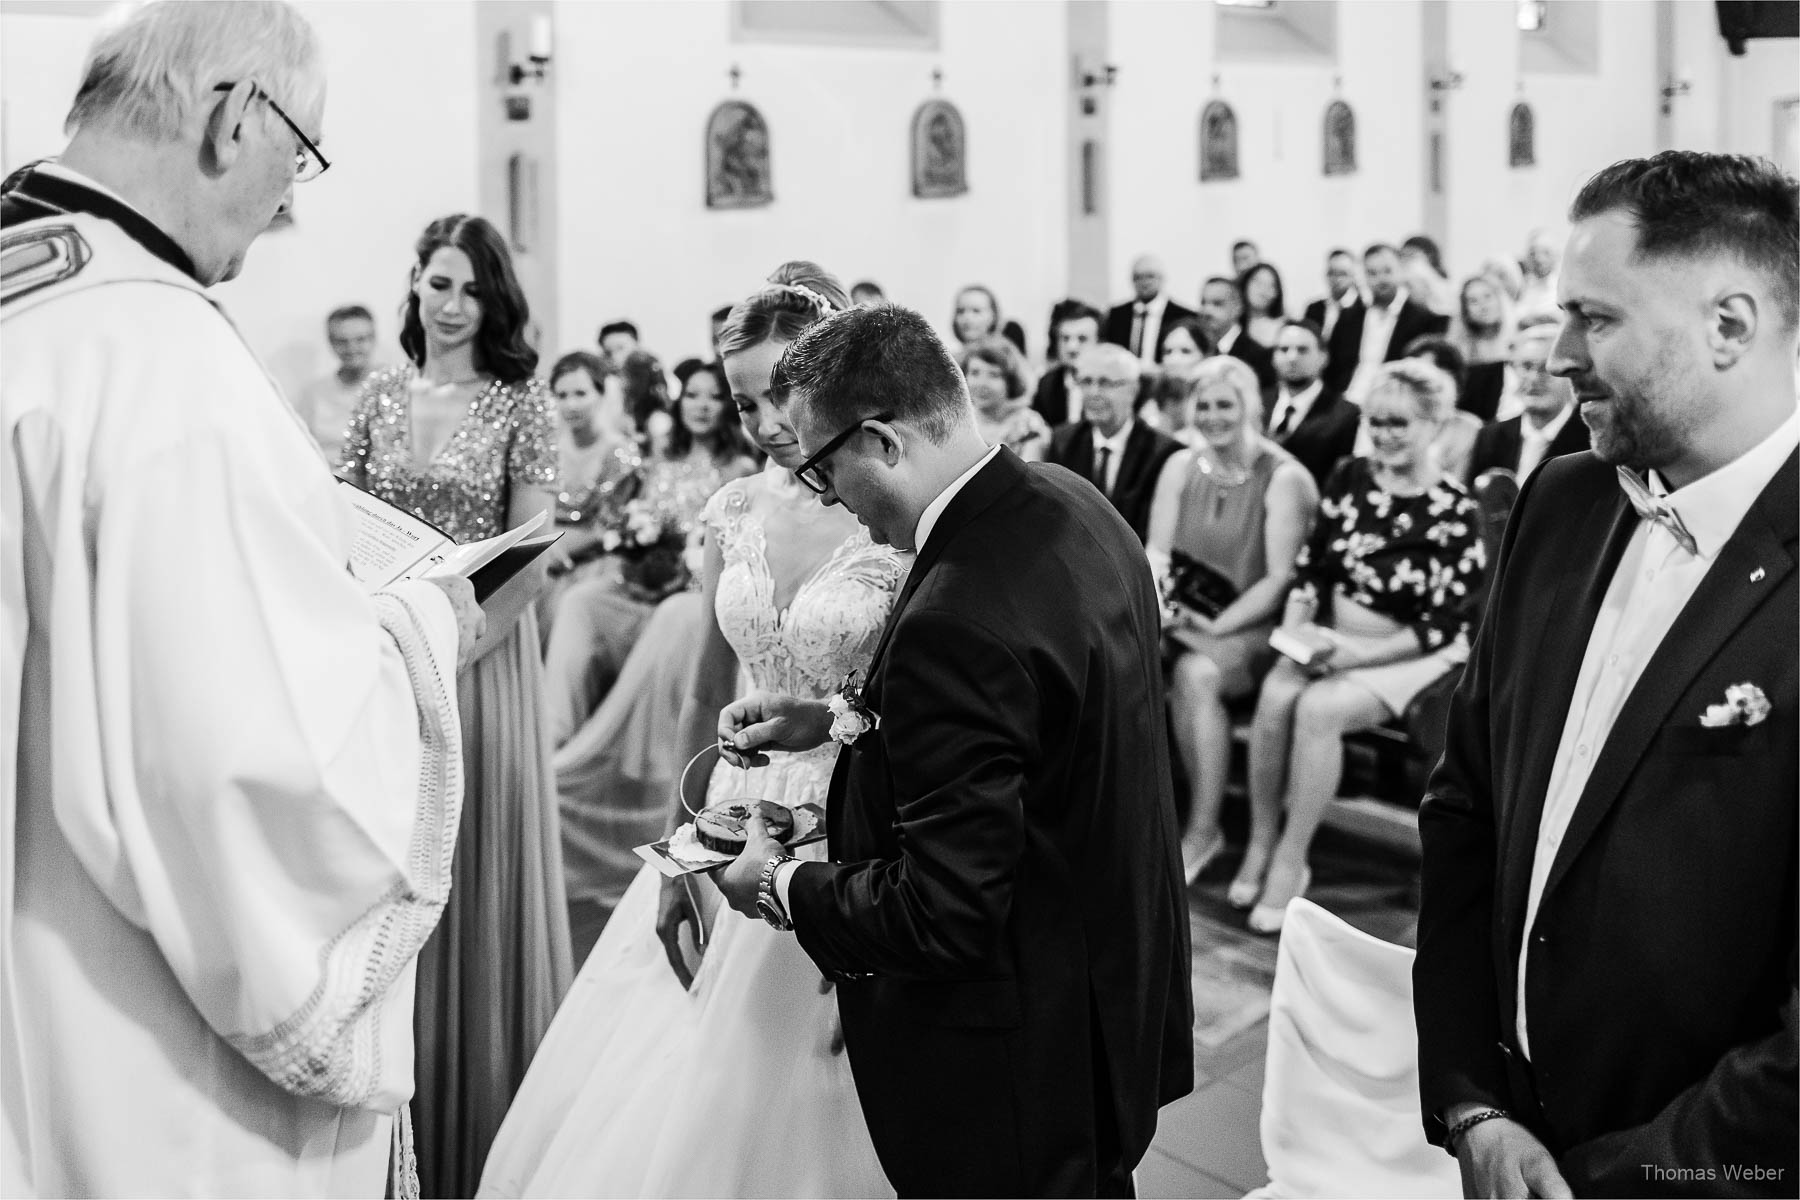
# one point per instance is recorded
(731, 1089)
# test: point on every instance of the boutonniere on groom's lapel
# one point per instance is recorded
(1744, 704)
(850, 716)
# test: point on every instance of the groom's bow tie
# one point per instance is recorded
(1654, 508)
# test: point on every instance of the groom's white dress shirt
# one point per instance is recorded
(927, 522)
(1651, 585)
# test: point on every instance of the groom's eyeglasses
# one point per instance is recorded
(809, 473)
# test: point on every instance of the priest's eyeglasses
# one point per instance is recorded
(809, 473)
(309, 161)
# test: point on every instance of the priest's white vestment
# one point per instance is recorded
(230, 779)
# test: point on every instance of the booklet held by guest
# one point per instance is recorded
(391, 544)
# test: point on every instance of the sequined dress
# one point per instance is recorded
(493, 973)
(730, 1089)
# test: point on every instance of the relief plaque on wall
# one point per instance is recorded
(1218, 142)
(1340, 139)
(1522, 136)
(939, 150)
(737, 157)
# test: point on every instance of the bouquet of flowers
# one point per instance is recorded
(650, 541)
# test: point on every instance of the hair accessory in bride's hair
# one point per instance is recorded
(826, 308)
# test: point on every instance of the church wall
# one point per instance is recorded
(1281, 200)
(1585, 120)
(636, 82)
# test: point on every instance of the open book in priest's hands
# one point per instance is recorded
(507, 572)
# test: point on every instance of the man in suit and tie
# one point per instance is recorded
(1605, 980)
(1314, 424)
(1109, 446)
(1004, 913)
(1221, 316)
(1343, 291)
(1056, 399)
(1138, 324)
(1548, 427)
(1380, 331)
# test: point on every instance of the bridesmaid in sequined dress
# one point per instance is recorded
(464, 437)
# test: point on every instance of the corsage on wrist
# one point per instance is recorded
(850, 716)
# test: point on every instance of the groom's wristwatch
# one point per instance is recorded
(768, 905)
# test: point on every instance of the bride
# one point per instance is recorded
(729, 1080)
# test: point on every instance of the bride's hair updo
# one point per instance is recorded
(799, 294)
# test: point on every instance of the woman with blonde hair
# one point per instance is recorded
(1239, 507)
(1381, 606)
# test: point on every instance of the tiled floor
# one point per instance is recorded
(1208, 1144)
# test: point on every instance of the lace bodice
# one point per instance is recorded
(834, 620)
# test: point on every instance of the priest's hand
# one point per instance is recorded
(1503, 1158)
(471, 622)
(769, 721)
(740, 880)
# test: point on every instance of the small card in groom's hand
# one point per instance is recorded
(1193, 584)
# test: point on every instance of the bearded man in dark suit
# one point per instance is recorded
(1004, 912)
(1605, 980)
(1380, 330)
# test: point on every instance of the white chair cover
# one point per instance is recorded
(1340, 1110)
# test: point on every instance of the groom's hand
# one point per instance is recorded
(739, 881)
(768, 721)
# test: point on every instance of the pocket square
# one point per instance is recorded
(1744, 704)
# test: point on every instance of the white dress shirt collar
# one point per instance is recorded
(1230, 339)
(1299, 403)
(1713, 506)
(929, 518)
(68, 175)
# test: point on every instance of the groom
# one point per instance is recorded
(1003, 913)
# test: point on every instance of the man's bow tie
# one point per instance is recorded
(1652, 508)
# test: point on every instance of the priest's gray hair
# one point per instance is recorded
(155, 65)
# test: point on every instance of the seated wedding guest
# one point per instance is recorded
(597, 472)
(867, 293)
(1482, 331)
(1378, 330)
(1422, 266)
(1343, 290)
(1382, 595)
(228, 796)
(1548, 426)
(1605, 982)
(617, 339)
(1241, 507)
(976, 315)
(1221, 316)
(1184, 344)
(1074, 327)
(599, 619)
(1168, 402)
(1310, 421)
(646, 396)
(463, 436)
(1456, 435)
(1506, 276)
(1265, 306)
(325, 404)
(1537, 297)
(1139, 322)
(999, 383)
(1109, 446)
(1244, 255)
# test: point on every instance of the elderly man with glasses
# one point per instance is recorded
(1109, 446)
(230, 777)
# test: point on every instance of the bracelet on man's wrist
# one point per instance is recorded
(1462, 1127)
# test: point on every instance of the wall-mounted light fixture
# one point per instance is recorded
(1677, 86)
(533, 68)
(1448, 81)
(1090, 82)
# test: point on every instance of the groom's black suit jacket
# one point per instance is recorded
(1661, 989)
(1006, 868)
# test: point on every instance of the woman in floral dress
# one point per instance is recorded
(1387, 582)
